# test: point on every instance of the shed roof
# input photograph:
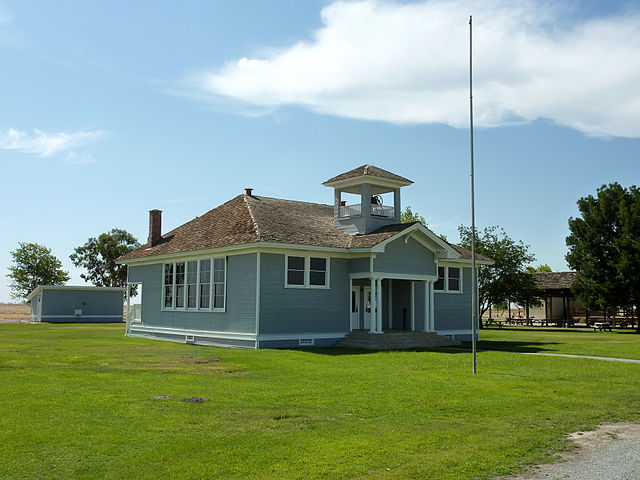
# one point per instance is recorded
(554, 280)
(40, 288)
(248, 219)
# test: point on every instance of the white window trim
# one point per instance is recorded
(307, 271)
(446, 280)
(173, 307)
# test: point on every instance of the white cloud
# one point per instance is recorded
(408, 63)
(45, 144)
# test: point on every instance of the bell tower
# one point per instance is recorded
(369, 183)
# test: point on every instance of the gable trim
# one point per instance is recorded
(444, 246)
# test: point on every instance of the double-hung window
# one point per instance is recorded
(449, 280)
(307, 272)
(191, 285)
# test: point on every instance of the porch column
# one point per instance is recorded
(413, 306)
(351, 304)
(128, 319)
(432, 318)
(372, 306)
(379, 306)
(425, 328)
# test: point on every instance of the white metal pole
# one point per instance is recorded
(474, 272)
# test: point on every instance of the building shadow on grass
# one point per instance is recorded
(488, 345)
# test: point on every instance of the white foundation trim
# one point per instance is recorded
(199, 333)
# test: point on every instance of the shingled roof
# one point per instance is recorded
(368, 170)
(554, 280)
(251, 219)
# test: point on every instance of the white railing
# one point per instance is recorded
(382, 211)
(350, 210)
(356, 209)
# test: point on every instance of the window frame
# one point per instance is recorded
(197, 308)
(446, 279)
(307, 271)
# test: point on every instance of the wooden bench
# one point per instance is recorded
(602, 326)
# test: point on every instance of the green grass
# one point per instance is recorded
(622, 343)
(76, 402)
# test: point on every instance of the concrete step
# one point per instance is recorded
(394, 340)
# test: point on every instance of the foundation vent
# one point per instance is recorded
(305, 341)
(189, 339)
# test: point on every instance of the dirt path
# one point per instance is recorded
(612, 452)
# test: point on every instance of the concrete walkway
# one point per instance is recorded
(608, 359)
(612, 452)
(566, 355)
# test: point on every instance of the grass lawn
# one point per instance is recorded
(77, 402)
(621, 343)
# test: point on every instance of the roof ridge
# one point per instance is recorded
(253, 218)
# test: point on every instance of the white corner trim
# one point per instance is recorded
(258, 277)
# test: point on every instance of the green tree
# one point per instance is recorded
(98, 257)
(34, 265)
(543, 268)
(505, 280)
(604, 247)
(409, 216)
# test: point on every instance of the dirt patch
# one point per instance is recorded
(194, 400)
(208, 360)
(584, 446)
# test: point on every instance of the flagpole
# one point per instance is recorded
(474, 272)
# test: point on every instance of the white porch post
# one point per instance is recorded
(413, 305)
(128, 319)
(350, 303)
(379, 306)
(426, 307)
(372, 307)
(432, 318)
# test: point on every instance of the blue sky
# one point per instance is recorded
(110, 109)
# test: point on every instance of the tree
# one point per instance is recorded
(34, 265)
(543, 268)
(604, 247)
(98, 256)
(409, 216)
(505, 280)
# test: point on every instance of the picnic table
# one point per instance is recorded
(494, 322)
(602, 326)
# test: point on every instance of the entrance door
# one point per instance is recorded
(367, 308)
(355, 308)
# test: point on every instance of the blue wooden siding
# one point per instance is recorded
(359, 265)
(303, 310)
(240, 314)
(409, 258)
(453, 310)
(95, 305)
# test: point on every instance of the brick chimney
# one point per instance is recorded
(248, 191)
(155, 227)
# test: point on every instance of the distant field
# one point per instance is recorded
(14, 312)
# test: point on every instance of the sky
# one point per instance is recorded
(110, 109)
